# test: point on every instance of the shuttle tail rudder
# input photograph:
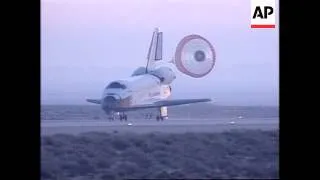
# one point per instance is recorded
(155, 50)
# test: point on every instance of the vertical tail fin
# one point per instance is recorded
(155, 50)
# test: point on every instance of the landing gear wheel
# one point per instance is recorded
(159, 118)
(123, 117)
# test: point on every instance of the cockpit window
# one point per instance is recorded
(116, 85)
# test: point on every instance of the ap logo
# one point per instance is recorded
(263, 14)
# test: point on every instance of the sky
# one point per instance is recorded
(85, 44)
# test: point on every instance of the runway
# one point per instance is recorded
(49, 127)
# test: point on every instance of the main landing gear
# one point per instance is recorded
(123, 116)
(159, 118)
(163, 114)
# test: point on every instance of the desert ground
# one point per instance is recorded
(200, 141)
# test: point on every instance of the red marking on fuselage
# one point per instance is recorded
(126, 102)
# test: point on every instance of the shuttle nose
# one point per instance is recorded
(110, 101)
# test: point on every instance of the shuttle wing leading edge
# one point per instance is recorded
(157, 103)
(162, 103)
